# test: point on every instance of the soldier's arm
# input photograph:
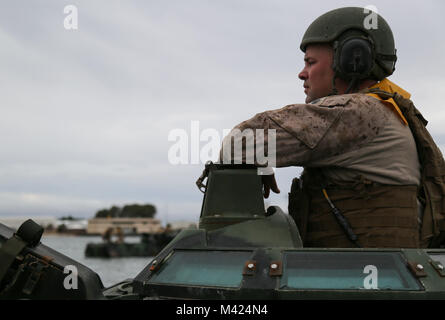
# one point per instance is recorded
(244, 144)
(305, 133)
(290, 134)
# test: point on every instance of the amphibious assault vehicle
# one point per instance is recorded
(241, 250)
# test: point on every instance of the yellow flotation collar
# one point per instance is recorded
(391, 87)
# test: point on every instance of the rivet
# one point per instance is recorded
(273, 266)
(250, 266)
(419, 267)
(153, 265)
(440, 266)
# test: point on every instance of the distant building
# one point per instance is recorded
(127, 225)
(180, 225)
(74, 226)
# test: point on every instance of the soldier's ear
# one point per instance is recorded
(353, 58)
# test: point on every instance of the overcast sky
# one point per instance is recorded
(86, 113)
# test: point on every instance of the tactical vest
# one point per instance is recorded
(432, 191)
(380, 215)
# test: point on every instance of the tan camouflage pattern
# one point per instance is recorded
(350, 135)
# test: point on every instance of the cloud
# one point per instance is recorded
(86, 114)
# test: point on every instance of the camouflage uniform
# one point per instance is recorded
(368, 161)
(348, 135)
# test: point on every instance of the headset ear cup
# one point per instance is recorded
(355, 59)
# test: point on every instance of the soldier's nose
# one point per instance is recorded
(302, 75)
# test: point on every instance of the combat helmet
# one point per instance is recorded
(362, 40)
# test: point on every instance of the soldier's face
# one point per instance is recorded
(317, 73)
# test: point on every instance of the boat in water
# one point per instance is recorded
(150, 244)
(241, 250)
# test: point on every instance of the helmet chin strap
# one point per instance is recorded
(334, 89)
(352, 87)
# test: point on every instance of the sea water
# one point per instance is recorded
(110, 270)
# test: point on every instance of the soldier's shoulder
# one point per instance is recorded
(332, 101)
(336, 100)
(352, 100)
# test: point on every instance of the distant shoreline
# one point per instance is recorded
(67, 234)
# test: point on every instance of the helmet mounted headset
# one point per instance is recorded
(360, 52)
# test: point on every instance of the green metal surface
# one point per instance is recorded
(270, 240)
(260, 256)
(206, 268)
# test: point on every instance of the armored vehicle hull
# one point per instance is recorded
(240, 251)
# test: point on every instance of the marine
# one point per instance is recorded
(364, 179)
